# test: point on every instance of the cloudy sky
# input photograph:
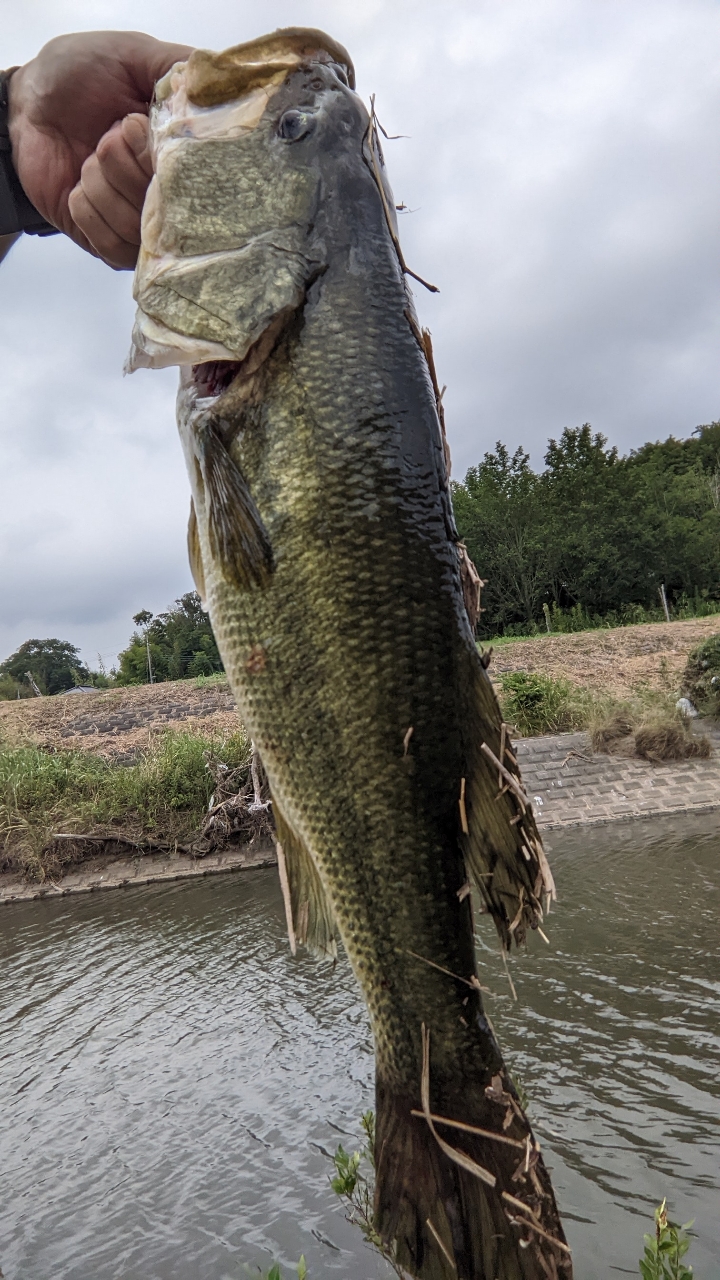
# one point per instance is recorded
(561, 168)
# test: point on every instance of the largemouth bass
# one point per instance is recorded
(322, 539)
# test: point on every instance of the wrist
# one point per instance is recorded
(17, 213)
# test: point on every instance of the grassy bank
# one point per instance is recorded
(163, 797)
(648, 724)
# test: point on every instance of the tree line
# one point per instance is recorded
(588, 540)
(174, 645)
(594, 532)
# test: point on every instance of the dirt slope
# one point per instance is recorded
(120, 722)
(611, 661)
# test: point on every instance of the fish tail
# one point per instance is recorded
(464, 1203)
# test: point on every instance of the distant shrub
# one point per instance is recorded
(536, 704)
(701, 680)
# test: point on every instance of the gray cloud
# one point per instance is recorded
(560, 166)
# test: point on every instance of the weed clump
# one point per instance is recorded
(701, 680)
(536, 704)
(670, 741)
(613, 734)
(651, 729)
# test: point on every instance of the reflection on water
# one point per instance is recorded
(170, 1077)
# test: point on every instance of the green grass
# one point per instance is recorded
(206, 682)
(163, 796)
(569, 621)
(535, 704)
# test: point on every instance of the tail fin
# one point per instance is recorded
(464, 1198)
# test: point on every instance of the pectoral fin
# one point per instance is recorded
(195, 554)
(238, 538)
(309, 914)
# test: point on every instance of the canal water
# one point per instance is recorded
(171, 1079)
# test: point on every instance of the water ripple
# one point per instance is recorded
(171, 1077)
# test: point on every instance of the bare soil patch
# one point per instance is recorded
(120, 723)
(616, 662)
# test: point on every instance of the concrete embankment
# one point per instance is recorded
(568, 783)
(109, 871)
(571, 786)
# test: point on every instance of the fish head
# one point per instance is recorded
(247, 146)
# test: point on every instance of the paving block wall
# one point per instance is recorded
(569, 785)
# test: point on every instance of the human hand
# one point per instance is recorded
(78, 128)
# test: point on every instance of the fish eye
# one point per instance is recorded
(295, 125)
(339, 72)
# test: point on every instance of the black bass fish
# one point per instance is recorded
(322, 539)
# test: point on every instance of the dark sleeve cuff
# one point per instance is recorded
(16, 211)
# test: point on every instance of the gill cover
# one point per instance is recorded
(225, 228)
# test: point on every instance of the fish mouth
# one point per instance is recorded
(209, 380)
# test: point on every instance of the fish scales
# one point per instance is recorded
(324, 545)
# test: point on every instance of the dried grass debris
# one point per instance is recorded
(670, 741)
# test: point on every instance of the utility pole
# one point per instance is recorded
(33, 685)
(143, 619)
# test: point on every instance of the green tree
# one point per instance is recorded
(604, 556)
(594, 533)
(499, 510)
(181, 644)
(55, 665)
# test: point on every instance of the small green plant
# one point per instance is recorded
(354, 1183)
(276, 1274)
(665, 1250)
